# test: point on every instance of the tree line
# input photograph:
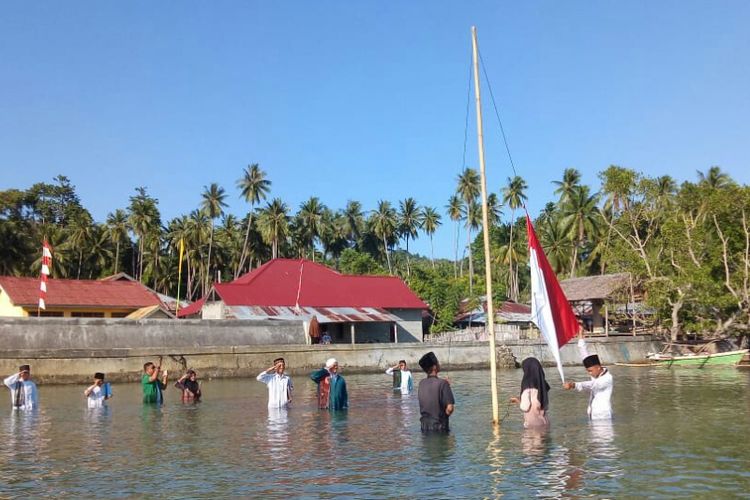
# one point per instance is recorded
(687, 246)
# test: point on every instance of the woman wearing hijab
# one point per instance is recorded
(190, 387)
(533, 400)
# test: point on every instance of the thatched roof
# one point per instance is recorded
(595, 287)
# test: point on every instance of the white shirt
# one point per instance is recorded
(29, 395)
(600, 406)
(280, 388)
(406, 380)
(97, 396)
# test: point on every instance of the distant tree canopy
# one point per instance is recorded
(687, 245)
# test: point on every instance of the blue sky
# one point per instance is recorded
(364, 100)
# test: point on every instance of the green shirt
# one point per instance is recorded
(152, 390)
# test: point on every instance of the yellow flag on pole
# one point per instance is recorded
(179, 275)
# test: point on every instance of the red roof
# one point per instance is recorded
(278, 282)
(81, 293)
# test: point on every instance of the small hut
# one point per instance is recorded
(592, 297)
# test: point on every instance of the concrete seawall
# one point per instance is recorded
(64, 352)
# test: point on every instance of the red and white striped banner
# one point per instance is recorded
(46, 265)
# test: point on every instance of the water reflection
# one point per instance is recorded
(232, 445)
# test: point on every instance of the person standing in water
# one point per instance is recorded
(152, 387)
(402, 379)
(23, 393)
(436, 402)
(98, 392)
(331, 388)
(279, 384)
(600, 386)
(533, 399)
(190, 387)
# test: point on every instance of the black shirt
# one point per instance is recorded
(434, 395)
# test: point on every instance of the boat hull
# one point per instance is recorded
(717, 359)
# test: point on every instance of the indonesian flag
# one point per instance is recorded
(46, 265)
(550, 309)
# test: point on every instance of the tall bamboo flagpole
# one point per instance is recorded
(179, 275)
(490, 318)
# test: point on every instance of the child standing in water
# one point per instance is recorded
(533, 399)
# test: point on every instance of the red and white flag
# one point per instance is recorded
(46, 265)
(550, 309)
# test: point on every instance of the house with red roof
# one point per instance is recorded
(350, 309)
(19, 297)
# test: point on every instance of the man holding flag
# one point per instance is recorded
(599, 387)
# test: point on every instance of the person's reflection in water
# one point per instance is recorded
(98, 425)
(278, 432)
(437, 448)
(535, 441)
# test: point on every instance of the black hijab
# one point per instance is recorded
(533, 378)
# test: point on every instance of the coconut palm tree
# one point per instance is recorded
(494, 209)
(569, 183)
(79, 237)
(384, 224)
(556, 244)
(514, 195)
(468, 188)
(212, 204)
(454, 212)
(143, 217)
(311, 219)
(714, 178)
(472, 218)
(409, 223)
(117, 232)
(430, 220)
(254, 187)
(580, 216)
(273, 223)
(354, 221)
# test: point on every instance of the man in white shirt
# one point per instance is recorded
(99, 392)
(599, 387)
(23, 392)
(402, 379)
(279, 384)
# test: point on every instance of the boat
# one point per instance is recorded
(698, 359)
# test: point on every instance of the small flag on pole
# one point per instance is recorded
(550, 309)
(46, 265)
(179, 274)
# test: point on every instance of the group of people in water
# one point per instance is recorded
(436, 399)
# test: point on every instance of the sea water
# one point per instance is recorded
(676, 433)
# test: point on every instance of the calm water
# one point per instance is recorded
(677, 433)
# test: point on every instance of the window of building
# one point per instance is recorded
(120, 314)
(76, 314)
(49, 314)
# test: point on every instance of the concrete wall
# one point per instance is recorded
(70, 351)
(94, 333)
(612, 349)
(410, 326)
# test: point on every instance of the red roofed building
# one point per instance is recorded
(348, 308)
(74, 298)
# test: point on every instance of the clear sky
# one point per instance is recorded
(364, 99)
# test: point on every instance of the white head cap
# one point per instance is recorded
(330, 362)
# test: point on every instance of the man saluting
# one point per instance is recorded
(436, 401)
(22, 390)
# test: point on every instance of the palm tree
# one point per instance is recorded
(430, 220)
(117, 231)
(468, 189)
(569, 183)
(556, 244)
(454, 211)
(273, 223)
(383, 222)
(472, 218)
(494, 209)
(143, 218)
(580, 216)
(714, 178)
(514, 195)
(79, 239)
(409, 223)
(354, 220)
(311, 218)
(213, 205)
(254, 187)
